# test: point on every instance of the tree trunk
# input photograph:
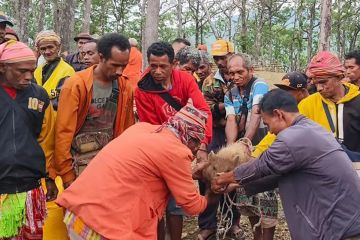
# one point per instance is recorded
(103, 20)
(143, 18)
(243, 33)
(197, 30)
(202, 33)
(325, 25)
(151, 32)
(299, 36)
(353, 38)
(230, 25)
(87, 16)
(22, 9)
(179, 16)
(41, 19)
(15, 8)
(310, 31)
(57, 15)
(258, 33)
(67, 24)
(292, 52)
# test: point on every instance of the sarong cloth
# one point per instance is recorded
(75, 225)
(22, 215)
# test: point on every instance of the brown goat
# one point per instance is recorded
(228, 158)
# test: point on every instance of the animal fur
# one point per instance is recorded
(227, 159)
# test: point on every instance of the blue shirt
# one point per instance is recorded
(233, 106)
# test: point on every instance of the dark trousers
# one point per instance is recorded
(208, 218)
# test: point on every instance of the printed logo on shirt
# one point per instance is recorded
(35, 104)
(99, 102)
(54, 93)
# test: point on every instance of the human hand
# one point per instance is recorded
(52, 190)
(198, 168)
(224, 182)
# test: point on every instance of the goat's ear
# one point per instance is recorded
(211, 156)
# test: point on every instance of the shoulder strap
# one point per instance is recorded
(249, 87)
(170, 100)
(328, 115)
(340, 118)
(114, 92)
(244, 107)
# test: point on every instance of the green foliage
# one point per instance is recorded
(282, 36)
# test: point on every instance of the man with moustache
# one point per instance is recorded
(90, 53)
(95, 107)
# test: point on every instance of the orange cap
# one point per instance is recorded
(222, 47)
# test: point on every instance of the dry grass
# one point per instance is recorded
(270, 77)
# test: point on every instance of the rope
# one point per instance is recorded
(227, 216)
(247, 142)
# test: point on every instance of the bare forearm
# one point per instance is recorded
(253, 125)
(231, 129)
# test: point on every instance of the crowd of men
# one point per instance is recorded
(96, 148)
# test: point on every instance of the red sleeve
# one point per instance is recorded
(144, 105)
(199, 102)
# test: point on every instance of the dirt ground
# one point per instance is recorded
(190, 230)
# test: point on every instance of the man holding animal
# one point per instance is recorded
(144, 165)
(305, 158)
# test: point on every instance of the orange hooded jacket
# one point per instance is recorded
(133, 69)
(123, 192)
(75, 100)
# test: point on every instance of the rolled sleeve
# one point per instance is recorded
(260, 89)
(229, 106)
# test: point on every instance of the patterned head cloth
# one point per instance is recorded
(13, 51)
(47, 35)
(325, 64)
(188, 123)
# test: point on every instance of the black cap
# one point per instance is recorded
(3, 19)
(293, 80)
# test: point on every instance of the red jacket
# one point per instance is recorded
(153, 109)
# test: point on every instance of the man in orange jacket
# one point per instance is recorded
(95, 107)
(122, 194)
(133, 69)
